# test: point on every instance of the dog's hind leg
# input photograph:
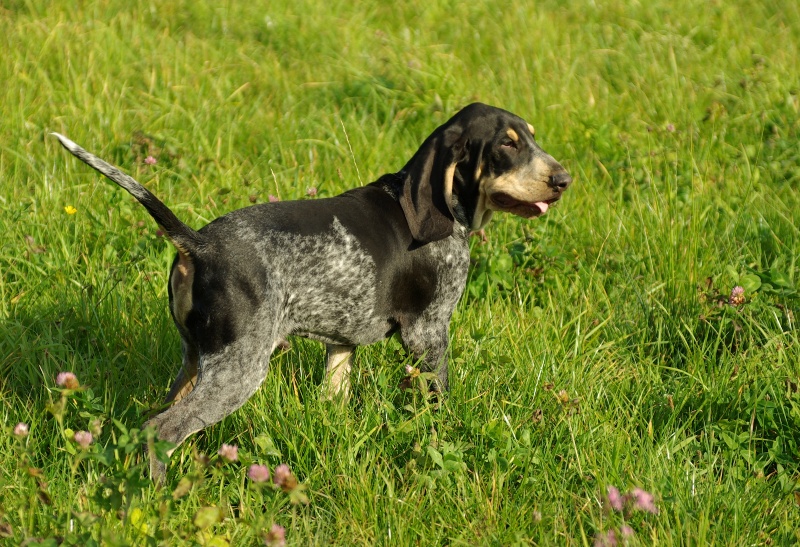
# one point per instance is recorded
(187, 376)
(225, 381)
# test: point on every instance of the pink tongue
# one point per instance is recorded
(542, 206)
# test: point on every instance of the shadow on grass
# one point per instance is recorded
(119, 362)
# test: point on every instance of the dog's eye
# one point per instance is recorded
(508, 144)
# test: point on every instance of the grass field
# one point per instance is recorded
(596, 347)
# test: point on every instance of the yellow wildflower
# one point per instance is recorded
(70, 210)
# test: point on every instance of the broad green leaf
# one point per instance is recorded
(435, 456)
(750, 283)
(780, 279)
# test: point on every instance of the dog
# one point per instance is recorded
(389, 257)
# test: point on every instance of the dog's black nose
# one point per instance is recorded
(560, 181)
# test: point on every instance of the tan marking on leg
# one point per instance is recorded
(186, 379)
(181, 281)
(283, 344)
(185, 387)
(337, 371)
(512, 135)
(532, 130)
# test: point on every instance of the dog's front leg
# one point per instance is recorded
(337, 371)
(427, 342)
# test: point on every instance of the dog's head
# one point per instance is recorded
(482, 160)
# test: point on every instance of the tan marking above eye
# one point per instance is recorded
(512, 135)
(531, 129)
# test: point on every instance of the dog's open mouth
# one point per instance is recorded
(517, 207)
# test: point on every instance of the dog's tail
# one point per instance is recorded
(186, 240)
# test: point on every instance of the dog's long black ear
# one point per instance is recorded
(428, 184)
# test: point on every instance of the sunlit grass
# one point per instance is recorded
(594, 347)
